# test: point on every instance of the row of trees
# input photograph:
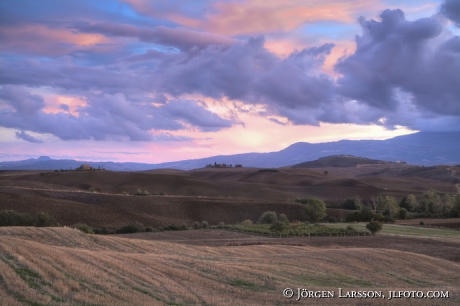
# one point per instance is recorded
(386, 208)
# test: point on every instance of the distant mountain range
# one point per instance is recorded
(423, 148)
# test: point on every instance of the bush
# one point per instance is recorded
(268, 217)
(278, 226)
(102, 231)
(13, 218)
(351, 228)
(403, 213)
(91, 189)
(283, 218)
(374, 227)
(141, 193)
(332, 220)
(135, 227)
(84, 228)
(43, 219)
(246, 222)
(196, 225)
(422, 223)
(204, 224)
(221, 225)
(149, 229)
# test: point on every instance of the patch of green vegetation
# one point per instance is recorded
(331, 280)
(29, 276)
(242, 283)
(56, 299)
(405, 230)
(410, 281)
(20, 298)
(297, 229)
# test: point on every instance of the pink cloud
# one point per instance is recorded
(258, 16)
(40, 39)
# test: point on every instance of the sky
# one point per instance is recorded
(164, 80)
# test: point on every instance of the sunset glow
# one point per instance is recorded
(157, 81)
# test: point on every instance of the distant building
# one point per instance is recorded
(85, 167)
(238, 166)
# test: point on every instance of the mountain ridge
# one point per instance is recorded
(423, 148)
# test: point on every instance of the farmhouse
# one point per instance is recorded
(84, 167)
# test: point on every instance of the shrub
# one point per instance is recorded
(332, 220)
(149, 229)
(221, 225)
(268, 217)
(196, 225)
(422, 223)
(204, 224)
(403, 213)
(135, 227)
(13, 218)
(102, 231)
(84, 228)
(246, 222)
(91, 189)
(278, 226)
(374, 227)
(351, 228)
(43, 219)
(283, 218)
(141, 193)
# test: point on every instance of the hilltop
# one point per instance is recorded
(424, 148)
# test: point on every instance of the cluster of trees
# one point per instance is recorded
(13, 218)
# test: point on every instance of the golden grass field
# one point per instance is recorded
(62, 266)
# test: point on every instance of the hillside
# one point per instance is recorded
(62, 266)
(340, 161)
(423, 148)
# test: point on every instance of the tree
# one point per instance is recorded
(374, 227)
(353, 203)
(268, 217)
(403, 214)
(326, 172)
(432, 202)
(410, 203)
(315, 209)
(388, 204)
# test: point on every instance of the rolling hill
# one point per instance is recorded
(424, 148)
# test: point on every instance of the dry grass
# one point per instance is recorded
(62, 266)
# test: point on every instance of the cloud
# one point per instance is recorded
(24, 136)
(21, 100)
(181, 38)
(451, 9)
(113, 117)
(401, 66)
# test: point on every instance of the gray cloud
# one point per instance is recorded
(402, 65)
(22, 101)
(181, 38)
(24, 136)
(451, 9)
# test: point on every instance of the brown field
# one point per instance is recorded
(62, 266)
(215, 195)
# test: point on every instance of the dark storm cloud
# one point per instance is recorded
(402, 65)
(451, 9)
(24, 136)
